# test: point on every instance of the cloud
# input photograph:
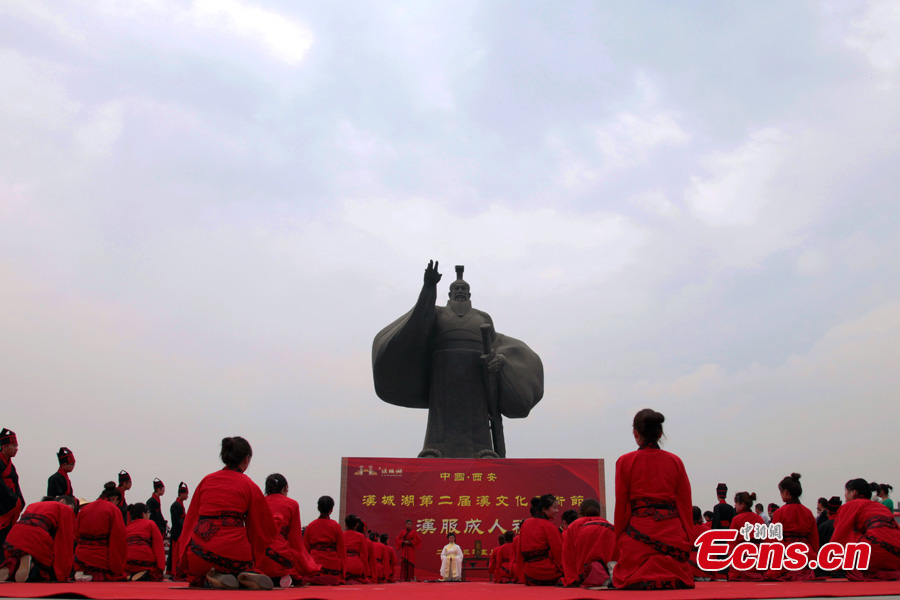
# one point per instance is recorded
(876, 33)
(99, 134)
(737, 187)
(628, 138)
(655, 202)
(284, 38)
(625, 140)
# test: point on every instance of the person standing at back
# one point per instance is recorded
(58, 484)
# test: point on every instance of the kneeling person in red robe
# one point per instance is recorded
(145, 556)
(228, 526)
(39, 546)
(100, 547)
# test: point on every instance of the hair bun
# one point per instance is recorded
(109, 485)
(795, 475)
(535, 501)
(753, 496)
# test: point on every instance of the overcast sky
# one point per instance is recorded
(208, 208)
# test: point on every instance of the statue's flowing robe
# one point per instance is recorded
(431, 358)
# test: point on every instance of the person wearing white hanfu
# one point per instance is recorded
(451, 560)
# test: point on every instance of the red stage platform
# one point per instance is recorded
(450, 591)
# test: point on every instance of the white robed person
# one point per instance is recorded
(451, 560)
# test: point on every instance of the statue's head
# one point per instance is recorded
(459, 289)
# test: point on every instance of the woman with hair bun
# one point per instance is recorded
(228, 526)
(743, 506)
(146, 558)
(653, 513)
(539, 558)
(357, 562)
(861, 520)
(799, 525)
(325, 542)
(884, 495)
(100, 548)
(287, 555)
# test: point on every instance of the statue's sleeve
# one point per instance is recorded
(521, 380)
(401, 353)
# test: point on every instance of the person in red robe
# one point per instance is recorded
(505, 560)
(228, 526)
(540, 549)
(700, 527)
(514, 555)
(861, 520)
(145, 554)
(124, 486)
(372, 565)
(287, 557)
(100, 547)
(494, 562)
(407, 541)
(11, 500)
(799, 525)
(59, 484)
(378, 557)
(39, 546)
(589, 546)
(389, 558)
(653, 513)
(743, 507)
(356, 566)
(325, 542)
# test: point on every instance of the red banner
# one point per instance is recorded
(476, 499)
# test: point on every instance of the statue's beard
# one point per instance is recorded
(460, 307)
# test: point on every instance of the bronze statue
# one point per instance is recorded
(450, 360)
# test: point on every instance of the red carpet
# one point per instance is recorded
(449, 591)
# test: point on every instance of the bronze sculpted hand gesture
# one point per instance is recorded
(431, 273)
(496, 363)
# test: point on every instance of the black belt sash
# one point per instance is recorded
(536, 555)
(39, 521)
(661, 547)
(655, 508)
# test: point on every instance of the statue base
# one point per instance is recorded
(475, 499)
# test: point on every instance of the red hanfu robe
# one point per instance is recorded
(799, 525)
(123, 506)
(861, 520)
(741, 518)
(357, 563)
(494, 562)
(287, 554)
(325, 542)
(12, 493)
(227, 528)
(389, 561)
(372, 571)
(378, 555)
(514, 555)
(46, 532)
(589, 540)
(505, 561)
(408, 553)
(654, 521)
(144, 550)
(540, 552)
(100, 547)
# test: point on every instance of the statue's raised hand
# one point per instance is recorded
(431, 273)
